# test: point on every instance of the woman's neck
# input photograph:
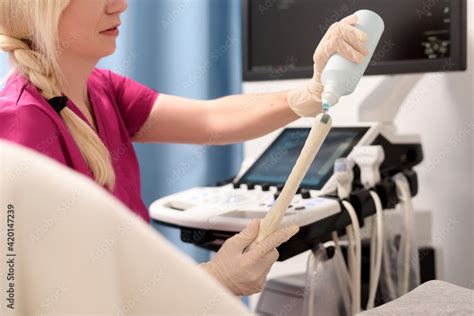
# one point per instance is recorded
(76, 72)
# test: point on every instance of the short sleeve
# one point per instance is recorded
(29, 126)
(134, 100)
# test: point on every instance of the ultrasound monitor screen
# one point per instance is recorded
(276, 163)
(282, 34)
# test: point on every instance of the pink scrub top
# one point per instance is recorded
(121, 107)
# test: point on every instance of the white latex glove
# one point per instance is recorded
(343, 38)
(246, 273)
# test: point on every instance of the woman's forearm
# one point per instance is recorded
(237, 118)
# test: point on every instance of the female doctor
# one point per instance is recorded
(57, 102)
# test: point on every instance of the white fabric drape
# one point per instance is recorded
(74, 249)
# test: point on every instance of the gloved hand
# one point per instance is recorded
(245, 273)
(343, 38)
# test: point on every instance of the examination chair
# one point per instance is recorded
(69, 248)
(432, 298)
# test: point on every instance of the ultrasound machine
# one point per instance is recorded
(207, 216)
(431, 39)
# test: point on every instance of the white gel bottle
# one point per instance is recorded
(341, 76)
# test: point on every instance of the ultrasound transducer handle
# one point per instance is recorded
(321, 127)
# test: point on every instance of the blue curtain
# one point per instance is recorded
(4, 68)
(189, 48)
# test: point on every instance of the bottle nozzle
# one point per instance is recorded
(330, 96)
(326, 107)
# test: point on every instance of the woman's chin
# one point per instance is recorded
(109, 50)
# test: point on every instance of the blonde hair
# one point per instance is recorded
(29, 34)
